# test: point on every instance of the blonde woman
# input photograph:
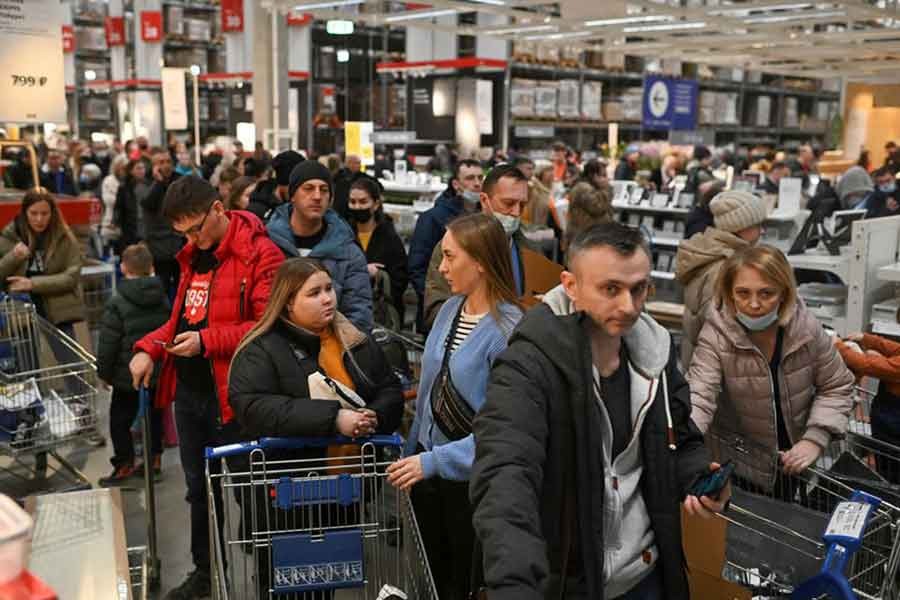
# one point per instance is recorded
(764, 369)
(291, 357)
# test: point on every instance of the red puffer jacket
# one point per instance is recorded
(238, 295)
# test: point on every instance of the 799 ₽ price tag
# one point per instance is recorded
(32, 78)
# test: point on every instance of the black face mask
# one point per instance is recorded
(359, 215)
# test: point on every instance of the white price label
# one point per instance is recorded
(848, 520)
(32, 78)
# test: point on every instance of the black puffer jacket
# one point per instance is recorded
(139, 307)
(540, 419)
(386, 247)
(269, 391)
(263, 199)
(162, 240)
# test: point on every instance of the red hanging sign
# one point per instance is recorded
(298, 19)
(68, 38)
(115, 31)
(232, 16)
(151, 25)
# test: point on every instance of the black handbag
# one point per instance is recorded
(451, 413)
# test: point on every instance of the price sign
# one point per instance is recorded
(298, 19)
(115, 31)
(151, 25)
(68, 39)
(232, 16)
(32, 79)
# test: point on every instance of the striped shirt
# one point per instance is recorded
(465, 326)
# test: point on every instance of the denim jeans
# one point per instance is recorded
(196, 417)
(650, 588)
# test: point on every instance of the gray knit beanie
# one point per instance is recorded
(734, 210)
(854, 180)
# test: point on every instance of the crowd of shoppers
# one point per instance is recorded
(553, 449)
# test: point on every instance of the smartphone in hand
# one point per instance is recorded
(712, 483)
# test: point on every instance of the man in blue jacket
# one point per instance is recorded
(463, 194)
(305, 226)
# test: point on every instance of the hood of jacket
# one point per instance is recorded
(243, 229)
(647, 341)
(450, 200)
(703, 249)
(337, 244)
(145, 292)
(264, 194)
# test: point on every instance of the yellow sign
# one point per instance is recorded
(358, 140)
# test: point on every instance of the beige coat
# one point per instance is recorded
(60, 286)
(697, 265)
(731, 386)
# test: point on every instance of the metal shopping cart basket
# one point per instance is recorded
(775, 541)
(405, 357)
(48, 393)
(290, 525)
(98, 284)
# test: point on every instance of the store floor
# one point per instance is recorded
(173, 530)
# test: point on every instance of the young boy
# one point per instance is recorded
(139, 307)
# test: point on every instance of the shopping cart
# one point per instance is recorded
(294, 522)
(98, 284)
(48, 393)
(405, 357)
(775, 541)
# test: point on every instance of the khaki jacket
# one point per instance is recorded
(60, 286)
(697, 265)
(731, 386)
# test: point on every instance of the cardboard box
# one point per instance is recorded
(593, 59)
(567, 99)
(521, 97)
(524, 51)
(90, 38)
(591, 99)
(613, 111)
(791, 116)
(174, 20)
(547, 53)
(545, 100)
(197, 30)
(570, 54)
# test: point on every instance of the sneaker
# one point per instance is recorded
(96, 440)
(118, 476)
(196, 586)
(156, 461)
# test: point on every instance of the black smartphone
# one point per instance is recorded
(711, 484)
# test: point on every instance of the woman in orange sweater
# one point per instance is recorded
(880, 358)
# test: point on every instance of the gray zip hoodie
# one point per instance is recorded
(627, 534)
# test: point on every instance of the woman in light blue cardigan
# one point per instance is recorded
(470, 330)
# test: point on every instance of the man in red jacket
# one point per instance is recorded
(227, 268)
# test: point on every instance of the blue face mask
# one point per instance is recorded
(758, 323)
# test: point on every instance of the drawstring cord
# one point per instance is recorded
(670, 429)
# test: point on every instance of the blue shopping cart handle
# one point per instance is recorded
(290, 443)
(296, 443)
(143, 401)
(239, 448)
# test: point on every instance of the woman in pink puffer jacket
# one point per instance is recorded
(764, 371)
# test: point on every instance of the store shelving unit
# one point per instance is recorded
(93, 109)
(535, 132)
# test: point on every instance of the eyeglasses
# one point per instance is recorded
(196, 229)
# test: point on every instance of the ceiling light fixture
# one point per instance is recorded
(560, 36)
(332, 4)
(422, 14)
(491, 2)
(343, 56)
(665, 27)
(521, 29)
(795, 17)
(339, 27)
(629, 20)
(746, 11)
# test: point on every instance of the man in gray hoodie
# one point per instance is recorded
(585, 448)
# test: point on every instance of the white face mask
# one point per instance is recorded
(758, 323)
(471, 200)
(510, 224)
